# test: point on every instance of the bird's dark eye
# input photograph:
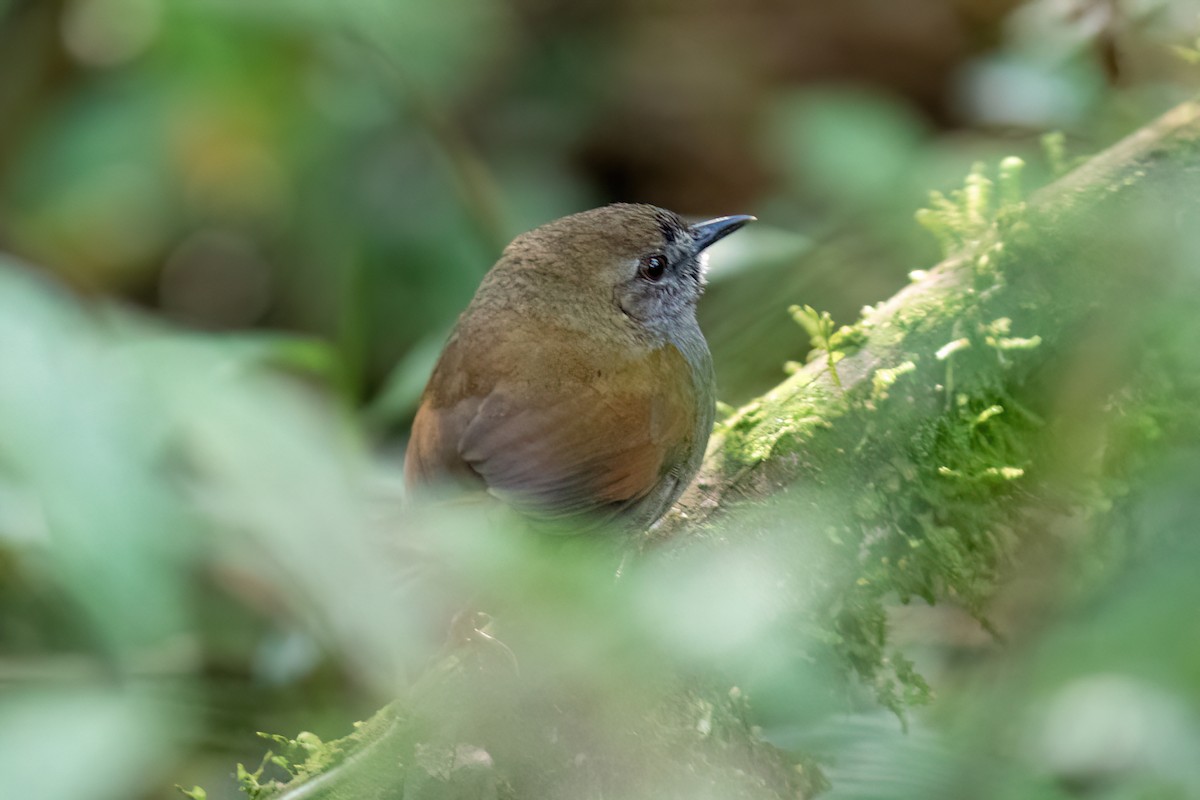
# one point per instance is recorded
(653, 267)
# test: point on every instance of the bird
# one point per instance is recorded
(577, 386)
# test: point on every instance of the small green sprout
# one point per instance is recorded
(950, 348)
(820, 328)
(1015, 342)
(987, 414)
(248, 781)
(1054, 147)
(977, 197)
(884, 379)
(971, 212)
(1004, 473)
(1009, 178)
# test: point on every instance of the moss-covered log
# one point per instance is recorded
(913, 440)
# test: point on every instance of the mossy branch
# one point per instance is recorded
(912, 435)
(1032, 266)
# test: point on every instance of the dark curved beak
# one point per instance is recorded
(705, 234)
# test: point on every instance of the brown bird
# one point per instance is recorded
(577, 384)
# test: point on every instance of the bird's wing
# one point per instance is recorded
(562, 442)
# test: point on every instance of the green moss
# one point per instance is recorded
(932, 508)
(848, 339)
(884, 379)
(789, 414)
(945, 536)
(926, 314)
(299, 758)
(934, 498)
(307, 756)
(971, 214)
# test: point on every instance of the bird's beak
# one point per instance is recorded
(705, 234)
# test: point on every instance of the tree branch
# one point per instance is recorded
(768, 444)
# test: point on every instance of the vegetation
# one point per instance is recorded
(949, 555)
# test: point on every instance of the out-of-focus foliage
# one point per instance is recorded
(253, 224)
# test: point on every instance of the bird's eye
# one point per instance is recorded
(653, 267)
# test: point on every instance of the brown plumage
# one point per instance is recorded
(577, 383)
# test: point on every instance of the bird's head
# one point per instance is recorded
(647, 263)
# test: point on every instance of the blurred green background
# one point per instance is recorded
(234, 235)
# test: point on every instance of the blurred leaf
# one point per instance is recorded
(855, 148)
(72, 434)
(71, 743)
